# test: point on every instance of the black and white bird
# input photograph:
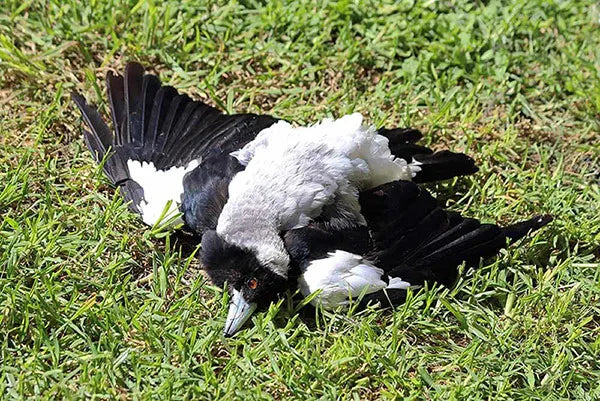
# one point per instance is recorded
(243, 182)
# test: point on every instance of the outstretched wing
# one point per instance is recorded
(418, 240)
(158, 137)
(408, 236)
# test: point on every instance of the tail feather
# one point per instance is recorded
(434, 166)
(443, 165)
(94, 120)
(161, 105)
(176, 108)
(179, 128)
(164, 131)
(191, 127)
(99, 140)
(149, 90)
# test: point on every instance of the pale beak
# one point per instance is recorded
(239, 312)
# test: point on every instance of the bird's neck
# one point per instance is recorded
(258, 234)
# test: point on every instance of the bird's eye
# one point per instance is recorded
(252, 283)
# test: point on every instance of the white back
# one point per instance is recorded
(293, 172)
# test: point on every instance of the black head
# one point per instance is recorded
(241, 270)
(246, 278)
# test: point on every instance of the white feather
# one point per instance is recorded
(340, 276)
(415, 167)
(398, 284)
(343, 276)
(160, 187)
(293, 172)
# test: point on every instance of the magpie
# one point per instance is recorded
(240, 182)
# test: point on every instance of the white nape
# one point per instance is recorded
(160, 187)
(341, 276)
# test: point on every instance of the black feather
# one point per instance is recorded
(436, 166)
(116, 97)
(160, 107)
(155, 124)
(95, 122)
(401, 135)
(206, 190)
(410, 237)
(443, 165)
(134, 78)
(316, 240)
(150, 88)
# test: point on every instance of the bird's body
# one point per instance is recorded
(330, 201)
(293, 174)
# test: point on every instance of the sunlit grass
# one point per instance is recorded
(94, 306)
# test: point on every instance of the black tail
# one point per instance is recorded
(435, 166)
(443, 165)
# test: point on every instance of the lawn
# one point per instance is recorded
(95, 306)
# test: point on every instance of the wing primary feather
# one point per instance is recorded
(161, 105)
(519, 230)
(433, 166)
(443, 165)
(401, 135)
(134, 76)
(454, 232)
(150, 87)
(116, 97)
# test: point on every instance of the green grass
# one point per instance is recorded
(92, 306)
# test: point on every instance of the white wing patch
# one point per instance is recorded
(341, 276)
(160, 187)
(396, 283)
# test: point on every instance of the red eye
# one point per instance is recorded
(252, 283)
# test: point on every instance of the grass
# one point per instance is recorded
(93, 306)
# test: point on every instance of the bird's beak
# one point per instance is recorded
(239, 312)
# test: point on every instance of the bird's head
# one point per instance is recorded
(251, 284)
